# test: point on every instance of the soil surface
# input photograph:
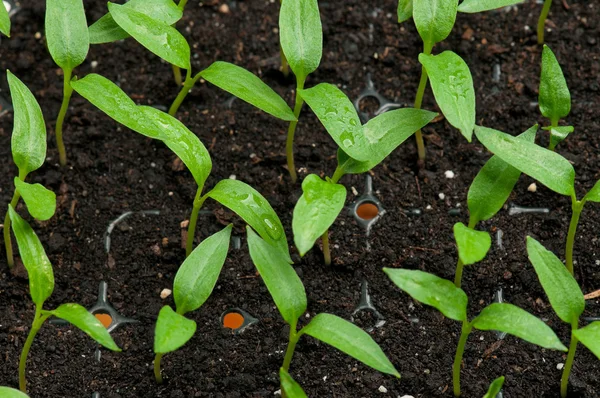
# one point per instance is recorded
(112, 170)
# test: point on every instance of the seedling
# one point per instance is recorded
(4, 20)
(554, 99)
(487, 194)
(194, 283)
(495, 388)
(361, 147)
(289, 387)
(289, 296)
(28, 146)
(548, 167)
(452, 302)
(542, 21)
(41, 286)
(239, 197)
(568, 302)
(68, 42)
(450, 76)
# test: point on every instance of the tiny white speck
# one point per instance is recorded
(278, 392)
(449, 174)
(325, 378)
(165, 293)
(382, 389)
(94, 64)
(428, 207)
(442, 196)
(233, 177)
(560, 366)
(532, 187)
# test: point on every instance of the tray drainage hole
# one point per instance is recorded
(367, 211)
(233, 320)
(105, 319)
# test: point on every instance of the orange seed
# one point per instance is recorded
(233, 320)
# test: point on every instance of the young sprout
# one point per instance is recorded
(361, 147)
(487, 194)
(7, 392)
(28, 146)
(542, 21)
(238, 196)
(554, 98)
(194, 283)
(289, 387)
(41, 286)
(289, 296)
(549, 168)
(434, 20)
(495, 388)
(68, 41)
(452, 302)
(4, 20)
(567, 300)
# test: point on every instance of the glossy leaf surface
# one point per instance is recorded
(434, 19)
(4, 20)
(172, 331)
(289, 387)
(405, 10)
(41, 202)
(495, 387)
(67, 33)
(473, 6)
(554, 98)
(472, 245)
(589, 336)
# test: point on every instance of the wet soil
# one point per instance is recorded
(112, 170)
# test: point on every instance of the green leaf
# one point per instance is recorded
(507, 318)
(41, 202)
(431, 290)
(434, 19)
(472, 245)
(4, 20)
(289, 387)
(496, 385)
(67, 33)
(248, 87)
(318, 207)
(253, 208)
(28, 141)
(589, 336)
(301, 35)
(558, 133)
(7, 392)
(561, 288)
(554, 99)
(35, 260)
(197, 276)
(452, 85)
(493, 184)
(279, 276)
(405, 10)
(79, 317)
(158, 37)
(336, 112)
(593, 194)
(172, 331)
(549, 168)
(473, 6)
(350, 339)
(106, 30)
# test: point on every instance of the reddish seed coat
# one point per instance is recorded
(367, 211)
(233, 320)
(104, 319)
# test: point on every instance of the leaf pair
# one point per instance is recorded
(194, 282)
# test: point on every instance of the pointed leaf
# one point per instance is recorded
(472, 245)
(554, 99)
(589, 336)
(431, 290)
(434, 19)
(289, 387)
(317, 209)
(7, 392)
(507, 318)
(301, 35)
(279, 276)
(28, 141)
(67, 33)
(350, 339)
(41, 202)
(337, 113)
(493, 184)
(561, 288)
(35, 260)
(558, 134)
(452, 85)
(81, 318)
(253, 208)
(197, 276)
(473, 6)
(405, 10)
(248, 87)
(549, 168)
(4, 20)
(159, 38)
(593, 194)
(172, 331)
(106, 30)
(496, 385)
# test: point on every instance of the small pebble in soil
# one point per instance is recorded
(38, 35)
(382, 389)
(449, 174)
(165, 293)
(233, 177)
(94, 64)
(560, 366)
(442, 196)
(224, 9)
(407, 396)
(532, 187)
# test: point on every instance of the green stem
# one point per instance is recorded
(542, 21)
(577, 207)
(38, 321)
(187, 86)
(419, 101)
(67, 92)
(177, 75)
(459, 272)
(464, 335)
(564, 381)
(198, 202)
(289, 145)
(7, 239)
(339, 173)
(182, 4)
(157, 374)
(289, 353)
(285, 67)
(553, 123)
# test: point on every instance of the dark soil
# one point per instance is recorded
(112, 170)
